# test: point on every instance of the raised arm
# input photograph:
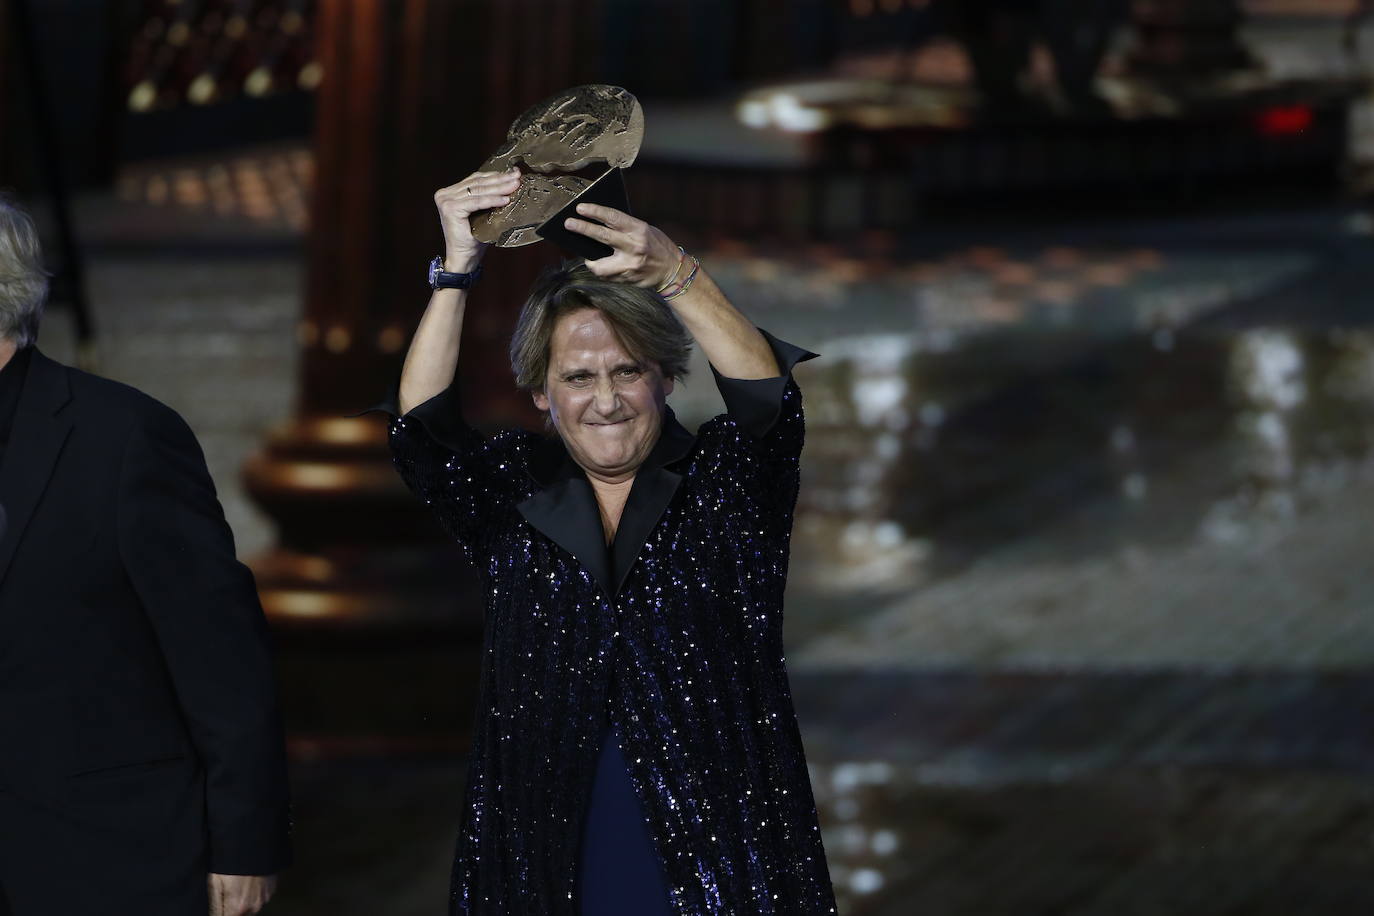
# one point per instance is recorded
(645, 256)
(432, 358)
(464, 476)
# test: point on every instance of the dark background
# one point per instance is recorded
(1081, 616)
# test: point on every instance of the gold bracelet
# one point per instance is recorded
(687, 283)
(682, 256)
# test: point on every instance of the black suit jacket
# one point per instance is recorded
(129, 634)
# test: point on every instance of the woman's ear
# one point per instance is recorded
(541, 400)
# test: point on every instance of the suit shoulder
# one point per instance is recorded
(121, 406)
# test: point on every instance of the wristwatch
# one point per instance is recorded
(442, 279)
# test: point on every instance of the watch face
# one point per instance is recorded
(433, 271)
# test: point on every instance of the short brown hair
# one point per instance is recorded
(645, 324)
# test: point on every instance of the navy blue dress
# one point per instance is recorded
(618, 871)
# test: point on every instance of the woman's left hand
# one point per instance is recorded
(643, 255)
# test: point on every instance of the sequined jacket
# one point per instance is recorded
(674, 636)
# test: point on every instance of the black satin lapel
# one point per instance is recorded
(652, 492)
(39, 432)
(567, 513)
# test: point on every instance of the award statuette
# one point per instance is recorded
(608, 191)
(564, 146)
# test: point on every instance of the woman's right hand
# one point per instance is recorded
(457, 203)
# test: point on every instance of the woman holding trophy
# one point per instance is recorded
(636, 749)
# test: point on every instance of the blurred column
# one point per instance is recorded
(1184, 40)
(8, 112)
(79, 74)
(415, 94)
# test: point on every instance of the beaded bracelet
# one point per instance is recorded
(686, 283)
(681, 259)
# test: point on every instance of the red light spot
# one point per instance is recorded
(1284, 119)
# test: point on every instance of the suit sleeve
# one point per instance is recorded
(767, 419)
(768, 409)
(178, 552)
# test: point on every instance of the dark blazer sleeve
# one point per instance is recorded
(464, 476)
(203, 605)
(766, 421)
(768, 409)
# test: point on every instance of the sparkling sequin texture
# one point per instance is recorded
(677, 640)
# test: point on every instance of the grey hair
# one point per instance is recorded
(23, 281)
(647, 327)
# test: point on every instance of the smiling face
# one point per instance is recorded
(606, 406)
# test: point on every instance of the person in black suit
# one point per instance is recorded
(142, 763)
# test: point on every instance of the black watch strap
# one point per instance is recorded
(442, 279)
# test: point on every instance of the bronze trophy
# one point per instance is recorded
(569, 148)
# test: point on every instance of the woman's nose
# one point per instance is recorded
(607, 399)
